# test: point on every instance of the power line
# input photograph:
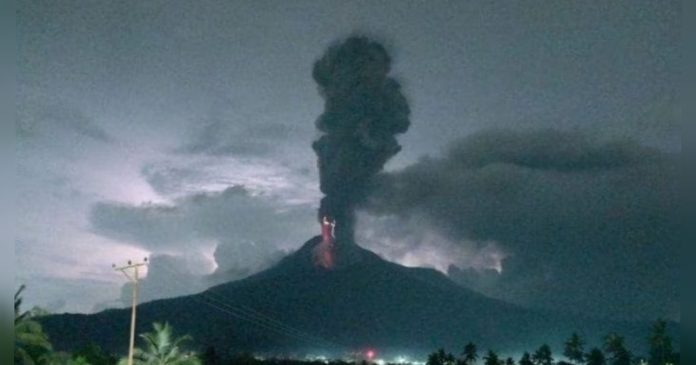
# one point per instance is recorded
(263, 317)
(280, 330)
(252, 316)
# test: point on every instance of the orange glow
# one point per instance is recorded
(324, 251)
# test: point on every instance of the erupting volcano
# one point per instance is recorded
(364, 109)
(331, 295)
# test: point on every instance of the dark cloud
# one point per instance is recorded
(587, 225)
(42, 117)
(233, 214)
(170, 276)
(245, 256)
(61, 294)
(239, 259)
(181, 179)
(237, 131)
(167, 180)
(408, 241)
(546, 150)
(658, 125)
(167, 276)
(247, 233)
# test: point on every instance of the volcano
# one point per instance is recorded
(363, 302)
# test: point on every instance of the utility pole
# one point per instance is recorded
(134, 280)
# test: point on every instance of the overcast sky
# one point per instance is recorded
(182, 131)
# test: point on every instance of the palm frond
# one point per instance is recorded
(162, 348)
(22, 354)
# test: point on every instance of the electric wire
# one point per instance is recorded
(240, 311)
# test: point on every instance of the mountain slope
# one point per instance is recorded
(363, 302)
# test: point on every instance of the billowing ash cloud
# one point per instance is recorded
(364, 110)
(586, 225)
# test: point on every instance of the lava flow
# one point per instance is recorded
(324, 251)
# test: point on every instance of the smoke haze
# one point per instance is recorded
(364, 110)
(573, 215)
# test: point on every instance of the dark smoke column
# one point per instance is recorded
(364, 109)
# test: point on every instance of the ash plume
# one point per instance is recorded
(364, 109)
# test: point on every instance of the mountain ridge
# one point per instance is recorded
(296, 307)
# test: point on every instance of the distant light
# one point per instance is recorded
(370, 354)
(320, 358)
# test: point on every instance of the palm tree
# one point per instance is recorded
(574, 349)
(595, 357)
(162, 349)
(491, 358)
(470, 355)
(543, 356)
(31, 343)
(441, 357)
(615, 346)
(660, 344)
(526, 359)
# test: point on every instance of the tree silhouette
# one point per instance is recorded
(595, 357)
(574, 349)
(526, 359)
(31, 344)
(614, 345)
(492, 358)
(660, 345)
(470, 354)
(510, 361)
(440, 357)
(211, 357)
(94, 355)
(162, 349)
(543, 356)
(64, 358)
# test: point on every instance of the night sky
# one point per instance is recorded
(539, 166)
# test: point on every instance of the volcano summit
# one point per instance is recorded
(297, 307)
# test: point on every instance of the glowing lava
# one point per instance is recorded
(324, 251)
